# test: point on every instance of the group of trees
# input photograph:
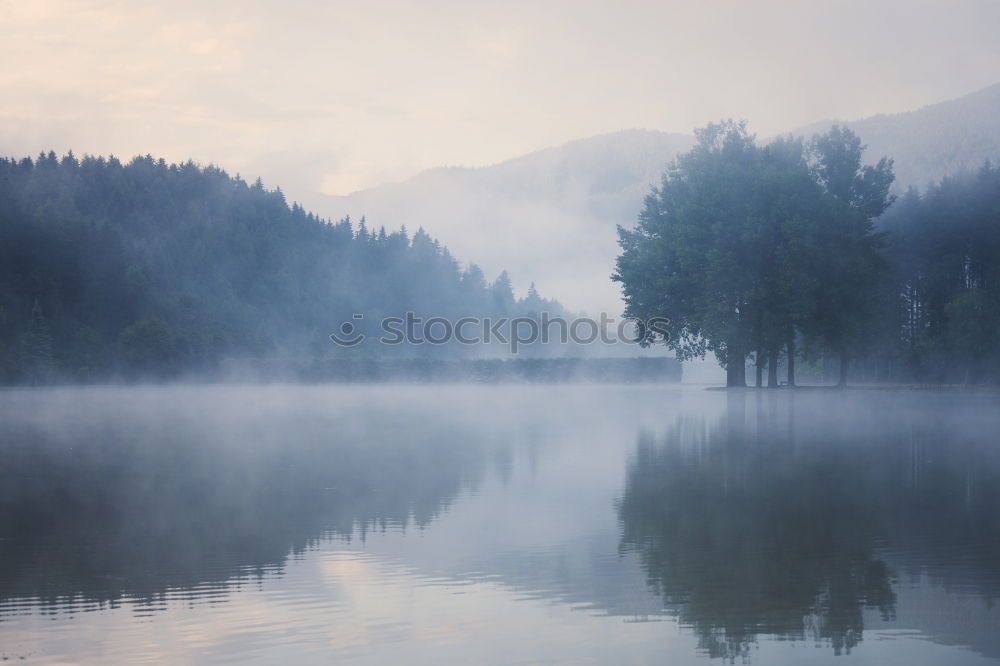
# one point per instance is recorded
(148, 268)
(758, 250)
(798, 250)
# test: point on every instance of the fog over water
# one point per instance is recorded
(462, 524)
(378, 333)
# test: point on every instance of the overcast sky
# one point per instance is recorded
(337, 96)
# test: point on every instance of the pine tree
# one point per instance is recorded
(36, 348)
(503, 293)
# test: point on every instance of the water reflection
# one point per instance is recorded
(790, 515)
(498, 524)
(98, 506)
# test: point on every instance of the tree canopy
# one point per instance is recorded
(742, 247)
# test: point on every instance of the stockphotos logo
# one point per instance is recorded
(514, 332)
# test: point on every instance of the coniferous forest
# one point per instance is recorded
(147, 269)
(943, 250)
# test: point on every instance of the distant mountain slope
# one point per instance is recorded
(554, 210)
(932, 142)
(552, 214)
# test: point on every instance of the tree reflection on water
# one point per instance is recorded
(774, 518)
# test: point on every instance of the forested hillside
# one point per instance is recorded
(150, 269)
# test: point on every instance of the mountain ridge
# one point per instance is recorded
(931, 157)
(552, 213)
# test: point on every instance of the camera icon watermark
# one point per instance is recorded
(349, 335)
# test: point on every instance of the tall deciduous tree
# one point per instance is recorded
(845, 305)
(685, 259)
(786, 202)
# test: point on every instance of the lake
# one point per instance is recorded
(376, 524)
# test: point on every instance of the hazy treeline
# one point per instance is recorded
(643, 370)
(150, 269)
(796, 250)
(944, 252)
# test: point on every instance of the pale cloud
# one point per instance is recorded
(217, 48)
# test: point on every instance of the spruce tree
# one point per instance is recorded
(36, 348)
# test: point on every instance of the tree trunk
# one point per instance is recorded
(844, 362)
(791, 359)
(736, 369)
(759, 366)
(772, 369)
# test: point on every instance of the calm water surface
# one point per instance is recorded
(386, 525)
